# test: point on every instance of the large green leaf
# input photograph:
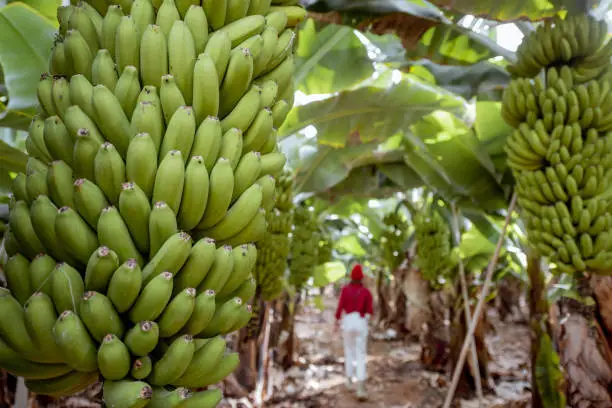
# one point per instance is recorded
(327, 273)
(27, 38)
(12, 159)
(350, 244)
(450, 159)
(512, 10)
(424, 30)
(373, 112)
(473, 243)
(47, 8)
(330, 60)
(549, 376)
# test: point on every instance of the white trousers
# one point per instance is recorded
(355, 334)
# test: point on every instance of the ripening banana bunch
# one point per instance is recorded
(325, 250)
(560, 104)
(393, 239)
(273, 249)
(151, 166)
(434, 255)
(304, 246)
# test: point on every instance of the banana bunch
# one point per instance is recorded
(132, 233)
(393, 239)
(561, 149)
(273, 249)
(304, 246)
(434, 255)
(325, 250)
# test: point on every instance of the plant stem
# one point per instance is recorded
(538, 310)
(466, 307)
(479, 306)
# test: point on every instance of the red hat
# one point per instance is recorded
(357, 273)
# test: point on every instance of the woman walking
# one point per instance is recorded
(355, 309)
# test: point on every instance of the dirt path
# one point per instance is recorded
(396, 378)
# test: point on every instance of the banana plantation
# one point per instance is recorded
(275, 203)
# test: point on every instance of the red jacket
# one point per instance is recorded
(354, 298)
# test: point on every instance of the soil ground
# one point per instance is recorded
(396, 378)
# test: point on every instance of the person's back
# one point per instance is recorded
(355, 309)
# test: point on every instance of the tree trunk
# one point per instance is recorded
(291, 342)
(384, 311)
(417, 291)
(434, 335)
(585, 342)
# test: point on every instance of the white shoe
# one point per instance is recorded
(362, 395)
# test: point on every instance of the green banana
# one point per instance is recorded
(111, 119)
(74, 233)
(270, 39)
(100, 268)
(170, 96)
(277, 19)
(79, 56)
(243, 28)
(170, 258)
(43, 214)
(103, 71)
(203, 363)
(124, 285)
(244, 112)
(76, 119)
(253, 232)
(18, 187)
(195, 194)
(66, 287)
(225, 317)
(244, 262)
(195, 19)
(269, 90)
(199, 262)
(246, 291)
(13, 330)
(220, 271)
(148, 118)
(246, 314)
(268, 184)
(231, 146)
(44, 92)
(180, 132)
(177, 313)
(127, 394)
(236, 81)
(272, 163)
(76, 347)
(169, 180)
(204, 399)
(220, 191)
(153, 56)
(219, 47)
(17, 276)
(163, 398)
(143, 14)
(226, 366)
(215, 12)
(162, 225)
(62, 386)
(205, 88)
(58, 142)
(89, 201)
(153, 299)
(109, 171)
(86, 148)
(127, 90)
(236, 10)
(207, 141)
(141, 368)
(142, 338)
(36, 184)
(127, 44)
(246, 173)
(259, 7)
(35, 143)
(40, 271)
(270, 144)
(81, 91)
(109, 28)
(135, 209)
(113, 358)
(59, 183)
(174, 362)
(141, 162)
(99, 316)
(181, 57)
(239, 214)
(203, 312)
(61, 95)
(40, 317)
(114, 233)
(167, 14)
